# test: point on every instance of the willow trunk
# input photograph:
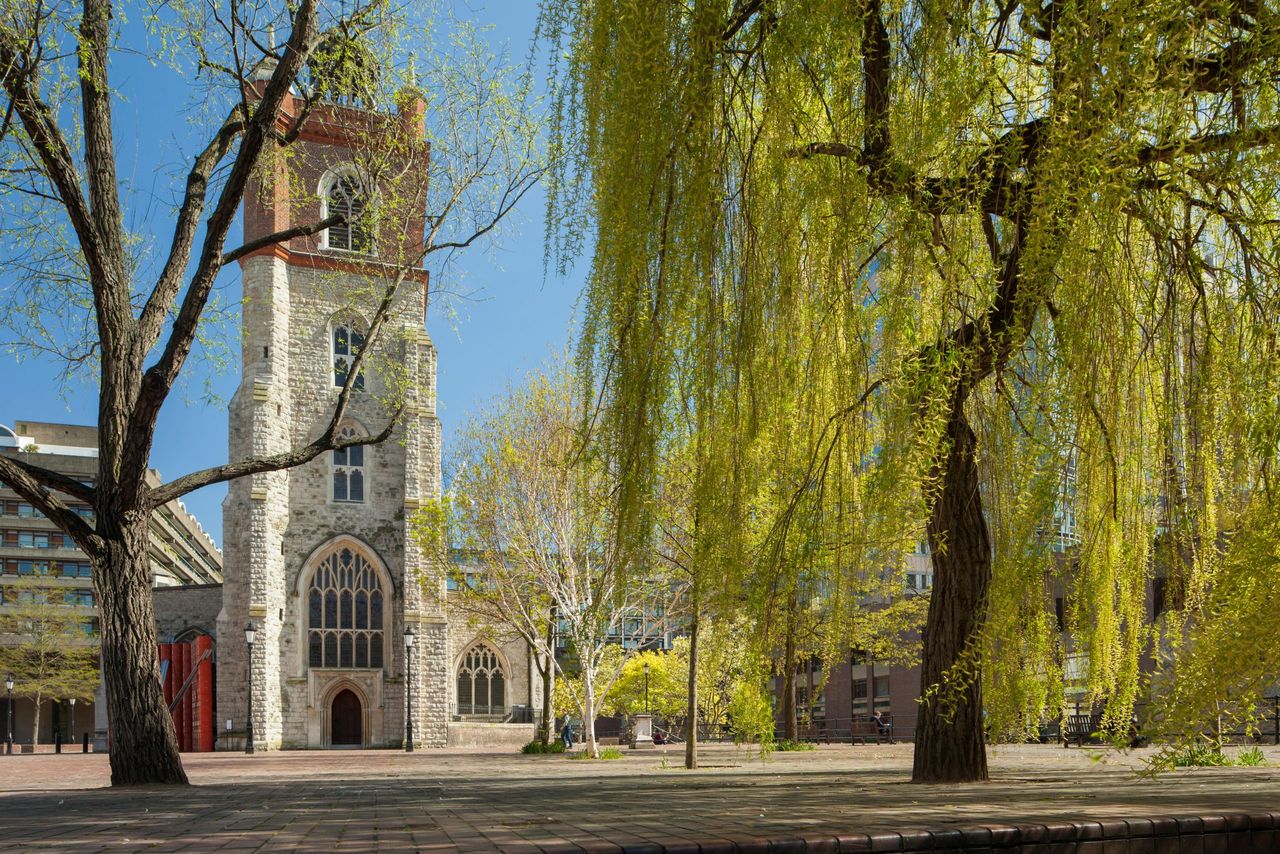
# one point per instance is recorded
(143, 745)
(790, 732)
(691, 736)
(950, 743)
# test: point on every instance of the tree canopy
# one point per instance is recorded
(530, 510)
(998, 275)
(84, 285)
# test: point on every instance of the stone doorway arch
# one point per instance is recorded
(346, 720)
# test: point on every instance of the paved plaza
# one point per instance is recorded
(836, 798)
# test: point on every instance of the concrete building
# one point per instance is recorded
(31, 547)
(321, 558)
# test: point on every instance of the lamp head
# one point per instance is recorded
(250, 632)
(8, 682)
(646, 668)
(408, 637)
(72, 701)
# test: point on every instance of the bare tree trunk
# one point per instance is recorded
(549, 683)
(950, 744)
(691, 734)
(144, 748)
(589, 715)
(790, 731)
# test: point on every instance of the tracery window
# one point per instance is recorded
(347, 196)
(345, 612)
(348, 470)
(481, 683)
(348, 341)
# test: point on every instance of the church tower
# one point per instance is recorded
(320, 558)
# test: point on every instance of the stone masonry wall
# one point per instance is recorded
(182, 609)
(279, 526)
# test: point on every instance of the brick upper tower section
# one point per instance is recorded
(389, 148)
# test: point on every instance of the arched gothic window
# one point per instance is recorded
(348, 470)
(345, 612)
(481, 683)
(348, 341)
(347, 196)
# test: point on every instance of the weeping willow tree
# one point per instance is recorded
(1001, 275)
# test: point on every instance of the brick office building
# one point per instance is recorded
(835, 704)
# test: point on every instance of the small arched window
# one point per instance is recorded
(348, 197)
(481, 683)
(345, 613)
(348, 341)
(348, 470)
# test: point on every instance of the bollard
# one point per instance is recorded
(84, 746)
(57, 742)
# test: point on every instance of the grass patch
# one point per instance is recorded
(1205, 756)
(536, 746)
(1200, 756)
(794, 746)
(605, 753)
(1251, 758)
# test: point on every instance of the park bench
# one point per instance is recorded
(814, 734)
(1077, 728)
(866, 731)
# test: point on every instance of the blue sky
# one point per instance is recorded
(515, 320)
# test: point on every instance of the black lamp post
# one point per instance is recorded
(72, 701)
(250, 631)
(408, 689)
(8, 742)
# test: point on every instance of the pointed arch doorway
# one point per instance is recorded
(346, 717)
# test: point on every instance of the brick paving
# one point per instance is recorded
(836, 798)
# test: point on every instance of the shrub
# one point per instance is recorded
(537, 746)
(752, 716)
(1251, 758)
(794, 745)
(1200, 756)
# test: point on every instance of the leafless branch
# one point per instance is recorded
(256, 465)
(159, 378)
(33, 484)
(184, 231)
(281, 236)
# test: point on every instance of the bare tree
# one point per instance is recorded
(532, 505)
(46, 647)
(59, 176)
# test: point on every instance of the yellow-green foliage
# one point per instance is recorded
(803, 312)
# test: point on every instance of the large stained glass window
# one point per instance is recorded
(345, 612)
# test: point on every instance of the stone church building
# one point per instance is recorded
(321, 558)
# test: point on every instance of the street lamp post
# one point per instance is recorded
(72, 701)
(408, 689)
(642, 736)
(8, 741)
(250, 631)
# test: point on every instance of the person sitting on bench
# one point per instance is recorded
(883, 727)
